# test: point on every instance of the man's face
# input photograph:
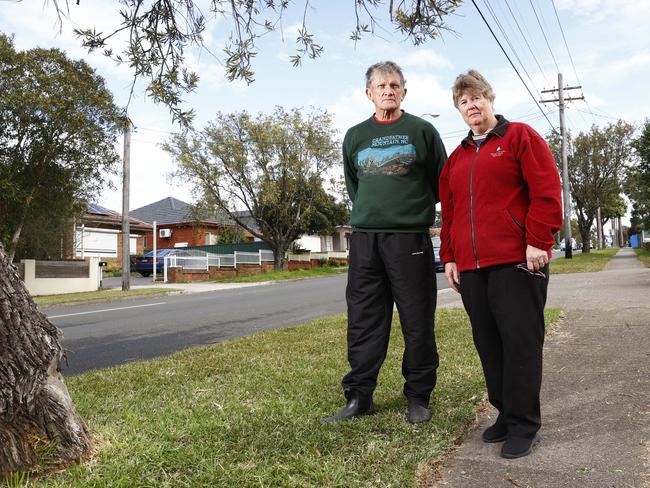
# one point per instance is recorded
(386, 91)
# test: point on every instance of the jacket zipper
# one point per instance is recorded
(471, 208)
(517, 222)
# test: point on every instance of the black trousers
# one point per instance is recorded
(506, 308)
(387, 267)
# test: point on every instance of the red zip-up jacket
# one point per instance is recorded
(498, 198)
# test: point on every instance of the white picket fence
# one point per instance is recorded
(202, 260)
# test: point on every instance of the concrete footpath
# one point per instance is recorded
(595, 393)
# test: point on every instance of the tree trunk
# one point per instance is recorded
(35, 406)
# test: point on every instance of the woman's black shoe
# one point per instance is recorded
(496, 433)
(516, 447)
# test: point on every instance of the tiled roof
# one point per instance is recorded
(170, 211)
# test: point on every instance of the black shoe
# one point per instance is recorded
(496, 433)
(516, 447)
(418, 413)
(357, 406)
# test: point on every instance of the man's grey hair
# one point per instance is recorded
(385, 67)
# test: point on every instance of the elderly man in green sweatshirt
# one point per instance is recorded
(392, 161)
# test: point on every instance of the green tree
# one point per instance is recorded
(596, 162)
(326, 213)
(270, 165)
(58, 128)
(637, 181)
(160, 31)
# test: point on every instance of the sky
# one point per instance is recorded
(600, 45)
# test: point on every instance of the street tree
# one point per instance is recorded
(270, 166)
(58, 128)
(36, 412)
(637, 180)
(154, 35)
(596, 162)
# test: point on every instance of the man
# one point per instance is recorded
(391, 163)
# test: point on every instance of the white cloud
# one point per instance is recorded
(424, 58)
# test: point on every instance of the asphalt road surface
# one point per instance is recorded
(106, 334)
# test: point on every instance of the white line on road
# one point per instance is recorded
(104, 310)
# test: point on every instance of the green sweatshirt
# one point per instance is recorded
(391, 173)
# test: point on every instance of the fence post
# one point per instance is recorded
(235, 259)
(164, 269)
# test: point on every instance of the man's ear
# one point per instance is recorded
(369, 94)
(404, 93)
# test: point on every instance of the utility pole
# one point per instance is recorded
(126, 228)
(566, 196)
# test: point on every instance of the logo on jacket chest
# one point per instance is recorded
(498, 153)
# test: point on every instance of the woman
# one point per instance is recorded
(501, 205)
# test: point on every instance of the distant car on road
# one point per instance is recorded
(435, 240)
(574, 245)
(144, 264)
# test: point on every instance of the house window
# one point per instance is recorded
(211, 238)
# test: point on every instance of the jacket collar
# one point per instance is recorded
(499, 130)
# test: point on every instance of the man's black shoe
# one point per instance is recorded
(516, 447)
(356, 407)
(418, 413)
(495, 433)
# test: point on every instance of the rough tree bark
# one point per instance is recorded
(35, 406)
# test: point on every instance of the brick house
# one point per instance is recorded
(176, 225)
(98, 233)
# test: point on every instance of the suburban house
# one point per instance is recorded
(337, 242)
(178, 226)
(98, 233)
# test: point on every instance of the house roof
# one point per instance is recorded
(172, 211)
(99, 216)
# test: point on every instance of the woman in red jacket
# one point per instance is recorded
(501, 204)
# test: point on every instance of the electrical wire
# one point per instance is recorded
(512, 48)
(544, 34)
(525, 38)
(511, 64)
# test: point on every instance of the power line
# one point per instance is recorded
(569, 53)
(511, 64)
(544, 34)
(512, 48)
(525, 38)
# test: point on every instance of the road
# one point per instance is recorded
(113, 333)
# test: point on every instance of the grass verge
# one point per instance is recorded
(644, 255)
(584, 262)
(245, 413)
(285, 275)
(101, 295)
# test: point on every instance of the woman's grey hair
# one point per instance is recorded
(384, 67)
(473, 82)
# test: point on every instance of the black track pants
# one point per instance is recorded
(506, 309)
(386, 267)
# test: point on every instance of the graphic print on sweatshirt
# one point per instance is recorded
(388, 155)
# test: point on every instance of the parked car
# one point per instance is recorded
(574, 245)
(144, 264)
(435, 240)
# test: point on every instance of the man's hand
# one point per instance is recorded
(453, 278)
(535, 258)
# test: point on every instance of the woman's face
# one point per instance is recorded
(477, 111)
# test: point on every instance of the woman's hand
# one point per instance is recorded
(451, 272)
(535, 258)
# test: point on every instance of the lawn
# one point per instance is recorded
(100, 295)
(286, 275)
(245, 413)
(644, 255)
(583, 262)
